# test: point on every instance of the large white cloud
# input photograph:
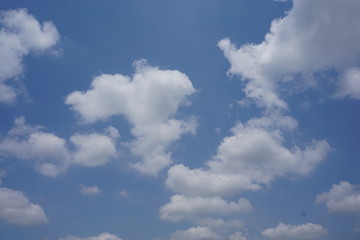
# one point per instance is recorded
(342, 198)
(102, 236)
(16, 209)
(293, 232)
(181, 207)
(314, 35)
(20, 34)
(254, 155)
(149, 100)
(51, 154)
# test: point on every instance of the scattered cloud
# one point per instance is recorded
(304, 41)
(181, 208)
(20, 34)
(149, 100)
(102, 236)
(16, 209)
(292, 232)
(51, 154)
(90, 190)
(342, 198)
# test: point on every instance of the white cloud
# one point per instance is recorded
(292, 232)
(92, 149)
(342, 198)
(47, 150)
(20, 34)
(112, 132)
(16, 209)
(314, 35)
(349, 85)
(90, 190)
(219, 224)
(182, 207)
(237, 236)
(254, 155)
(195, 233)
(199, 182)
(102, 236)
(149, 100)
(52, 154)
(259, 154)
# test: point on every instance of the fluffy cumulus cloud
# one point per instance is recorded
(51, 154)
(252, 156)
(20, 34)
(342, 198)
(16, 209)
(315, 35)
(292, 232)
(48, 151)
(149, 100)
(200, 182)
(195, 233)
(102, 236)
(92, 149)
(182, 207)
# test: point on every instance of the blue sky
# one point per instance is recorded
(179, 120)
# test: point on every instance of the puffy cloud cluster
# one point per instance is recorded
(51, 154)
(149, 100)
(254, 155)
(102, 236)
(342, 198)
(305, 41)
(20, 34)
(293, 232)
(16, 209)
